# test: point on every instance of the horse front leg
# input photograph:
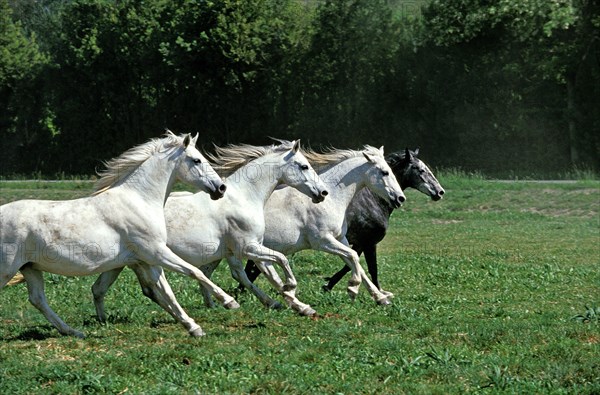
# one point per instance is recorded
(155, 286)
(261, 254)
(237, 271)
(350, 257)
(371, 259)
(37, 297)
(163, 256)
(100, 288)
(333, 280)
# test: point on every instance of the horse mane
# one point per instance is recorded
(122, 166)
(332, 156)
(396, 158)
(226, 160)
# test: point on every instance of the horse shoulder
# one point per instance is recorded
(367, 219)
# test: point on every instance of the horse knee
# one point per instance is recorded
(290, 286)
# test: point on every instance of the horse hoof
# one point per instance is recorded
(325, 289)
(232, 305)
(275, 306)
(77, 334)
(384, 302)
(387, 294)
(197, 333)
(307, 311)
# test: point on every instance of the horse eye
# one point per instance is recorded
(304, 167)
(385, 172)
(197, 161)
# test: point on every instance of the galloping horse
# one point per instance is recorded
(368, 215)
(292, 224)
(204, 232)
(121, 224)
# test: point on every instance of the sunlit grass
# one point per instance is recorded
(496, 289)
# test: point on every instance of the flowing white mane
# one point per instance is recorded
(334, 156)
(226, 160)
(122, 166)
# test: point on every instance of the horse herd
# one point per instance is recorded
(257, 204)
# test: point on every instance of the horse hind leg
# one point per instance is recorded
(252, 272)
(37, 297)
(208, 270)
(100, 288)
(10, 262)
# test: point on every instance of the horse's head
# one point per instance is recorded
(381, 179)
(299, 174)
(195, 170)
(413, 173)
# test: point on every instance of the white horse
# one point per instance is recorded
(292, 224)
(121, 224)
(201, 231)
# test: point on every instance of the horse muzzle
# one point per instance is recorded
(438, 195)
(219, 192)
(319, 197)
(397, 201)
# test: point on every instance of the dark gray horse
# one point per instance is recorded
(368, 215)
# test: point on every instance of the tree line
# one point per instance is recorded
(504, 87)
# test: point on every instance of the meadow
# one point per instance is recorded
(497, 290)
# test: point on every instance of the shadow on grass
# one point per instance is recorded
(39, 333)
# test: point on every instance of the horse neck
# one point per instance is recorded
(153, 179)
(381, 202)
(257, 179)
(346, 180)
(401, 173)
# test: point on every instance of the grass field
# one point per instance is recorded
(497, 291)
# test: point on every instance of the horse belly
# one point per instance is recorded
(77, 259)
(197, 249)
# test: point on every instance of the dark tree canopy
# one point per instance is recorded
(507, 87)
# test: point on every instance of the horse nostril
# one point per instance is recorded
(222, 188)
(324, 193)
(441, 193)
(401, 199)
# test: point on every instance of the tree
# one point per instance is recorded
(536, 40)
(20, 65)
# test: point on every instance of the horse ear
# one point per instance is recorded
(381, 149)
(407, 154)
(296, 146)
(186, 140)
(367, 156)
(416, 151)
(195, 139)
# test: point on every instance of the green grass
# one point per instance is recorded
(497, 291)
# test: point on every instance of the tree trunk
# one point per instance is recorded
(574, 152)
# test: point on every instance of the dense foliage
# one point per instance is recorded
(504, 86)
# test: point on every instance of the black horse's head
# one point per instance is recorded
(411, 172)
